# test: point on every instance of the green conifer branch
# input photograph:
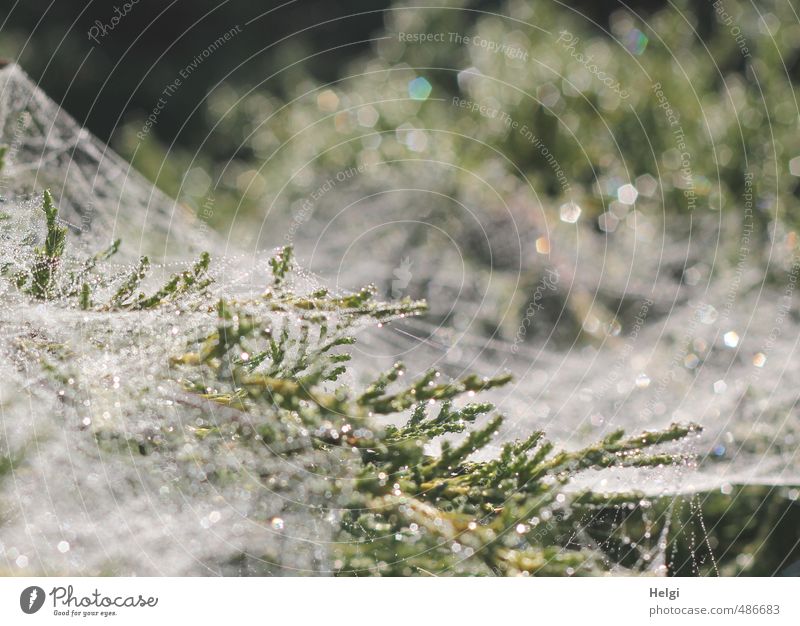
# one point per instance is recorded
(413, 510)
(47, 259)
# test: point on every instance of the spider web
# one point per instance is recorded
(70, 507)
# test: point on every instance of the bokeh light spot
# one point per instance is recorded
(419, 88)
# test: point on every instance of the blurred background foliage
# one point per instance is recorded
(303, 80)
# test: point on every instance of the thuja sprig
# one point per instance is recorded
(86, 297)
(277, 359)
(426, 388)
(493, 508)
(179, 284)
(281, 265)
(359, 304)
(411, 507)
(448, 421)
(123, 294)
(46, 280)
(195, 279)
(47, 259)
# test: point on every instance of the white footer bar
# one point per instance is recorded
(389, 602)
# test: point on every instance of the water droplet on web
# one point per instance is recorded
(591, 324)
(608, 222)
(699, 345)
(759, 359)
(642, 381)
(707, 314)
(367, 116)
(647, 185)
(277, 523)
(327, 101)
(419, 88)
(63, 547)
(466, 76)
(731, 339)
(543, 245)
(720, 387)
(794, 166)
(569, 212)
(692, 276)
(636, 41)
(627, 194)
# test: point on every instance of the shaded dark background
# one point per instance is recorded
(98, 83)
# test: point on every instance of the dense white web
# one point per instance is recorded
(673, 352)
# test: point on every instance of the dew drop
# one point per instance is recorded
(543, 245)
(627, 194)
(419, 88)
(731, 339)
(642, 381)
(569, 212)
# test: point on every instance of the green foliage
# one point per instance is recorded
(86, 297)
(447, 507)
(597, 138)
(48, 258)
(280, 264)
(125, 291)
(6, 464)
(45, 280)
(182, 283)
(407, 495)
(411, 510)
(195, 280)
(755, 530)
